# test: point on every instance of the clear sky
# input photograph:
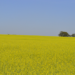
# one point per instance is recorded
(37, 17)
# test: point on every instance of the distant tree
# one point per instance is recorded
(73, 35)
(65, 34)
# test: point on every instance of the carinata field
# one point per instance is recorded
(37, 55)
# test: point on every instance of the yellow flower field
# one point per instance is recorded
(37, 55)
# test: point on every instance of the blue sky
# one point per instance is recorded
(37, 17)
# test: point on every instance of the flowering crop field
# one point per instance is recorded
(37, 55)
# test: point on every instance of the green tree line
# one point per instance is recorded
(66, 34)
